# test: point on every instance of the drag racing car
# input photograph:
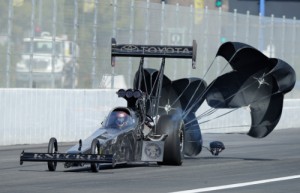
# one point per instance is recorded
(159, 123)
(147, 129)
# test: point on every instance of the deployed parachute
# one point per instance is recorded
(255, 81)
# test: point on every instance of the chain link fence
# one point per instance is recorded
(77, 34)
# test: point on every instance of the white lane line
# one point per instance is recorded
(208, 189)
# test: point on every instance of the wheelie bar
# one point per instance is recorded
(66, 157)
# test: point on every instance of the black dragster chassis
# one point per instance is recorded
(164, 139)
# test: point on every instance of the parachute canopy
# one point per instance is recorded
(255, 81)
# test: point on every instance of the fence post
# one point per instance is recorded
(162, 23)
(131, 25)
(131, 28)
(75, 39)
(32, 34)
(283, 37)
(114, 30)
(220, 39)
(114, 33)
(234, 24)
(147, 23)
(247, 26)
(191, 31)
(94, 57)
(260, 33)
(8, 50)
(147, 29)
(177, 12)
(54, 56)
(205, 41)
(271, 44)
(294, 42)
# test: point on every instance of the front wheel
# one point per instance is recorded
(52, 148)
(173, 126)
(95, 149)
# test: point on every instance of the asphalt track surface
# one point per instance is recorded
(269, 165)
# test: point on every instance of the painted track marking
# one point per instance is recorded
(230, 186)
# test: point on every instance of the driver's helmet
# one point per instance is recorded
(121, 118)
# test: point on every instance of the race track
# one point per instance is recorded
(270, 165)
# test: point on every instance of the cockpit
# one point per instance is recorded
(119, 119)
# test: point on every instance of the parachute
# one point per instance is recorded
(255, 81)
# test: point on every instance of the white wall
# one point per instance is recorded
(29, 116)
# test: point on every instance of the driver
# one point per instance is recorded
(121, 119)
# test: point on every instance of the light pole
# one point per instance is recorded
(262, 7)
(261, 31)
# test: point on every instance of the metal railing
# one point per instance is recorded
(89, 26)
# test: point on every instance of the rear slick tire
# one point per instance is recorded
(173, 126)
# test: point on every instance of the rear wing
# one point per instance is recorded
(154, 51)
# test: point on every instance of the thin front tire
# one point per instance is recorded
(52, 148)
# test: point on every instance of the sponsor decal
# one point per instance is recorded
(155, 49)
(83, 157)
(152, 150)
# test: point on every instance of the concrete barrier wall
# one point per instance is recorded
(29, 116)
